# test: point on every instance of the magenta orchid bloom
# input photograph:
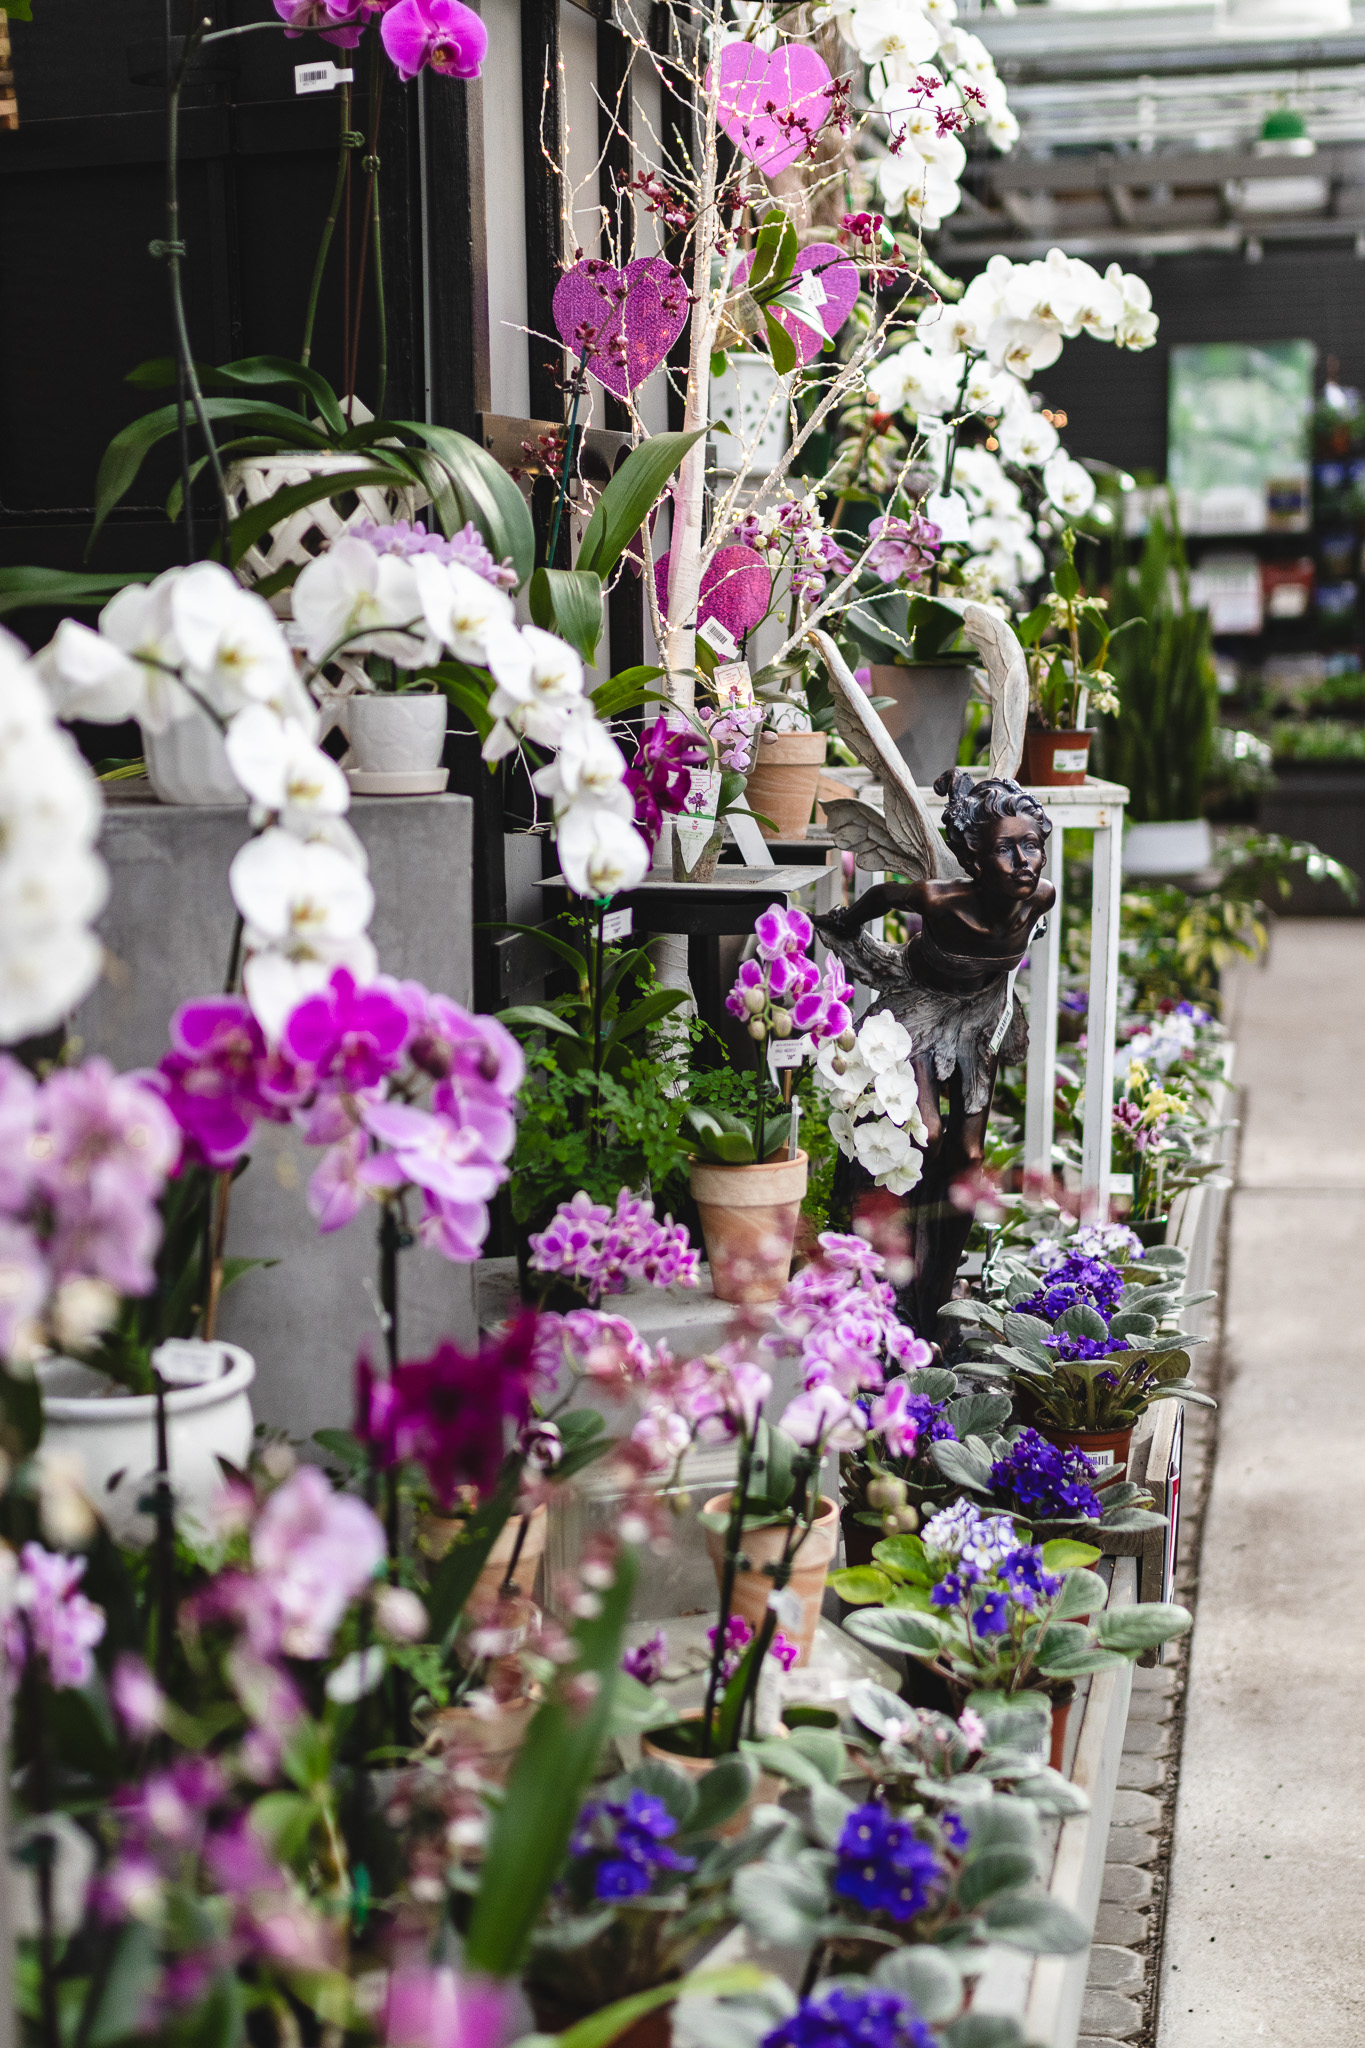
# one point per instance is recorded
(349, 1175)
(782, 931)
(434, 1154)
(448, 1413)
(337, 21)
(431, 2007)
(51, 1618)
(312, 1551)
(210, 1079)
(347, 1034)
(440, 35)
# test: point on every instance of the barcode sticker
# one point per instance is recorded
(720, 637)
(320, 77)
(617, 924)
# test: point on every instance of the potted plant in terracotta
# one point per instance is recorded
(645, 1883)
(1089, 1350)
(748, 1174)
(1067, 674)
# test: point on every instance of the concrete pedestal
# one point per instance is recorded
(168, 928)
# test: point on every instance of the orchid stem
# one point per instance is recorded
(348, 142)
(733, 1536)
(568, 458)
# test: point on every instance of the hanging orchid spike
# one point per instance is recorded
(621, 323)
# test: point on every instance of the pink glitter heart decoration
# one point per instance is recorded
(628, 319)
(734, 590)
(837, 277)
(773, 103)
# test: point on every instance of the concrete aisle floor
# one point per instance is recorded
(1263, 1937)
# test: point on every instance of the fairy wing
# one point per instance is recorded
(999, 648)
(905, 840)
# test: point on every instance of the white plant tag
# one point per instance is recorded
(787, 1606)
(733, 684)
(617, 924)
(319, 77)
(787, 1052)
(691, 835)
(719, 637)
(949, 513)
(1069, 760)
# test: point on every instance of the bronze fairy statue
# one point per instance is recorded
(975, 897)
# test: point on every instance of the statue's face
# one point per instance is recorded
(1013, 861)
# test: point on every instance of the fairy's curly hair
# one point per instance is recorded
(973, 806)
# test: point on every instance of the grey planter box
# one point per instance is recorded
(167, 929)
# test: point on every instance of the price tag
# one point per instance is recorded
(719, 637)
(617, 924)
(320, 77)
(949, 513)
(785, 1052)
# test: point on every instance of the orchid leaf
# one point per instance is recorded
(624, 692)
(569, 602)
(628, 499)
(129, 449)
(69, 588)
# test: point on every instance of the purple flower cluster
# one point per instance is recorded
(84, 1156)
(448, 1413)
(902, 548)
(625, 1841)
(794, 535)
(841, 1316)
(442, 35)
(738, 1636)
(467, 547)
(50, 1618)
(1043, 1481)
(341, 1051)
(648, 1660)
(852, 2019)
(660, 777)
(600, 1251)
(991, 1595)
(884, 1866)
(732, 729)
(1077, 1279)
(784, 978)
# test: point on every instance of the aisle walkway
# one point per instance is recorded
(1265, 1930)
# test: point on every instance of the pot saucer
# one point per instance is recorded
(398, 782)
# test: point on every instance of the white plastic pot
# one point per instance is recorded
(188, 763)
(396, 735)
(208, 1416)
(1176, 846)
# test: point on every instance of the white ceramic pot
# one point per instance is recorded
(208, 1416)
(188, 763)
(398, 735)
(1175, 846)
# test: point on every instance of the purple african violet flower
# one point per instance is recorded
(312, 1552)
(840, 2018)
(50, 1618)
(648, 1660)
(902, 1418)
(1041, 1480)
(442, 35)
(347, 1034)
(884, 1866)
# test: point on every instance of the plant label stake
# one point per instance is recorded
(617, 924)
(319, 78)
(749, 839)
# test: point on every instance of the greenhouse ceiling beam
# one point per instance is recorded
(1340, 162)
(1144, 245)
(1143, 60)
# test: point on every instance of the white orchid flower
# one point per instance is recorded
(897, 1093)
(589, 768)
(884, 1043)
(539, 690)
(42, 889)
(882, 1147)
(279, 767)
(1027, 438)
(87, 676)
(915, 378)
(44, 976)
(137, 620)
(1022, 346)
(600, 853)
(1071, 488)
(298, 896)
(460, 607)
(882, 30)
(234, 648)
(354, 600)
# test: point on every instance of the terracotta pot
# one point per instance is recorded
(784, 779)
(491, 1739)
(748, 1221)
(926, 719)
(553, 2016)
(1055, 760)
(768, 1788)
(489, 1583)
(1105, 1446)
(1061, 1714)
(764, 1546)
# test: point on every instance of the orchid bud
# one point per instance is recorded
(782, 1024)
(758, 1029)
(848, 1039)
(755, 999)
(886, 1493)
(839, 1064)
